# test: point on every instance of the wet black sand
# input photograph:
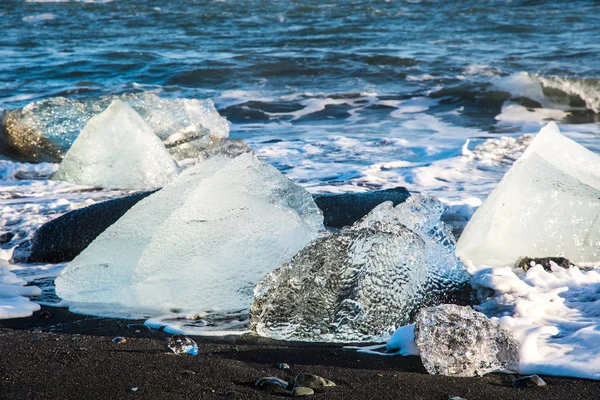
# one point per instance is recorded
(69, 356)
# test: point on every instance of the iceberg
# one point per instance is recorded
(460, 341)
(362, 283)
(547, 204)
(199, 244)
(117, 149)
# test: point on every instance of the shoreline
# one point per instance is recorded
(69, 356)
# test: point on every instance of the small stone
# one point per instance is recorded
(301, 391)
(6, 237)
(187, 372)
(75, 337)
(119, 340)
(529, 381)
(312, 381)
(501, 379)
(527, 262)
(182, 345)
(284, 366)
(45, 315)
(233, 394)
(271, 382)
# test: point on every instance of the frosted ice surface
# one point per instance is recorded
(362, 283)
(460, 341)
(199, 244)
(117, 149)
(547, 204)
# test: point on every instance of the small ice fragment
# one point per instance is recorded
(119, 340)
(459, 341)
(182, 345)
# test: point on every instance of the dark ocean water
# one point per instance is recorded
(339, 95)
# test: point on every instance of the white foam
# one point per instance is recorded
(14, 301)
(516, 113)
(39, 17)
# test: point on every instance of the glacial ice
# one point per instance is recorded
(365, 281)
(460, 341)
(117, 149)
(199, 244)
(44, 130)
(547, 204)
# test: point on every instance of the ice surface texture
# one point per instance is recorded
(199, 244)
(44, 130)
(365, 281)
(459, 341)
(117, 149)
(547, 204)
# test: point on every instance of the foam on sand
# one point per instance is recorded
(14, 295)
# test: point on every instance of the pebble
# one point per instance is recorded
(529, 381)
(119, 340)
(301, 391)
(312, 381)
(233, 394)
(284, 366)
(270, 381)
(45, 315)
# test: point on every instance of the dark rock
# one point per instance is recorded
(527, 262)
(22, 143)
(340, 210)
(312, 381)
(529, 381)
(119, 340)
(301, 391)
(234, 394)
(63, 238)
(6, 237)
(284, 366)
(45, 315)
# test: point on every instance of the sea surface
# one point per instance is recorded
(438, 96)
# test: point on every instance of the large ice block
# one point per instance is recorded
(547, 204)
(200, 244)
(364, 282)
(117, 149)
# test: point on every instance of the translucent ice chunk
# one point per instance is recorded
(460, 341)
(362, 283)
(117, 149)
(547, 204)
(182, 345)
(44, 130)
(199, 244)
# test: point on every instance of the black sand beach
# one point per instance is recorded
(69, 356)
